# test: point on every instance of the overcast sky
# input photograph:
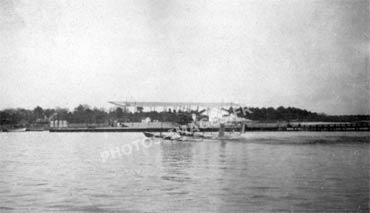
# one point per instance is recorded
(307, 54)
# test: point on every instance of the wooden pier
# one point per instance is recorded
(315, 127)
(331, 127)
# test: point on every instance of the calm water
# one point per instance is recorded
(319, 172)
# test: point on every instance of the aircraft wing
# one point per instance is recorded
(174, 104)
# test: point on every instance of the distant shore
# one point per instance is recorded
(296, 126)
(84, 118)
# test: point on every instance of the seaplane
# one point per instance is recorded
(216, 115)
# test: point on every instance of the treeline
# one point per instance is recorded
(86, 114)
(296, 114)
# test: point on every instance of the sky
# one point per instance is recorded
(311, 54)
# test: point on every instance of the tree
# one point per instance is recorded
(38, 113)
(119, 112)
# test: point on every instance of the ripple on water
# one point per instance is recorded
(262, 172)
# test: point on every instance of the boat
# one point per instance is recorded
(167, 136)
(16, 130)
(178, 136)
(149, 135)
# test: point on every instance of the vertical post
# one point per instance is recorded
(221, 131)
(242, 131)
(160, 133)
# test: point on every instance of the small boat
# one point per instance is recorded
(149, 135)
(167, 136)
(16, 130)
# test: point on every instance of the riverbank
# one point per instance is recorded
(317, 127)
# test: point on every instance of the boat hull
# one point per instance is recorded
(16, 130)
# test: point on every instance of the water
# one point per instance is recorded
(264, 172)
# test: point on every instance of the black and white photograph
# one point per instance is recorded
(154, 106)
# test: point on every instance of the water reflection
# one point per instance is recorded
(176, 161)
